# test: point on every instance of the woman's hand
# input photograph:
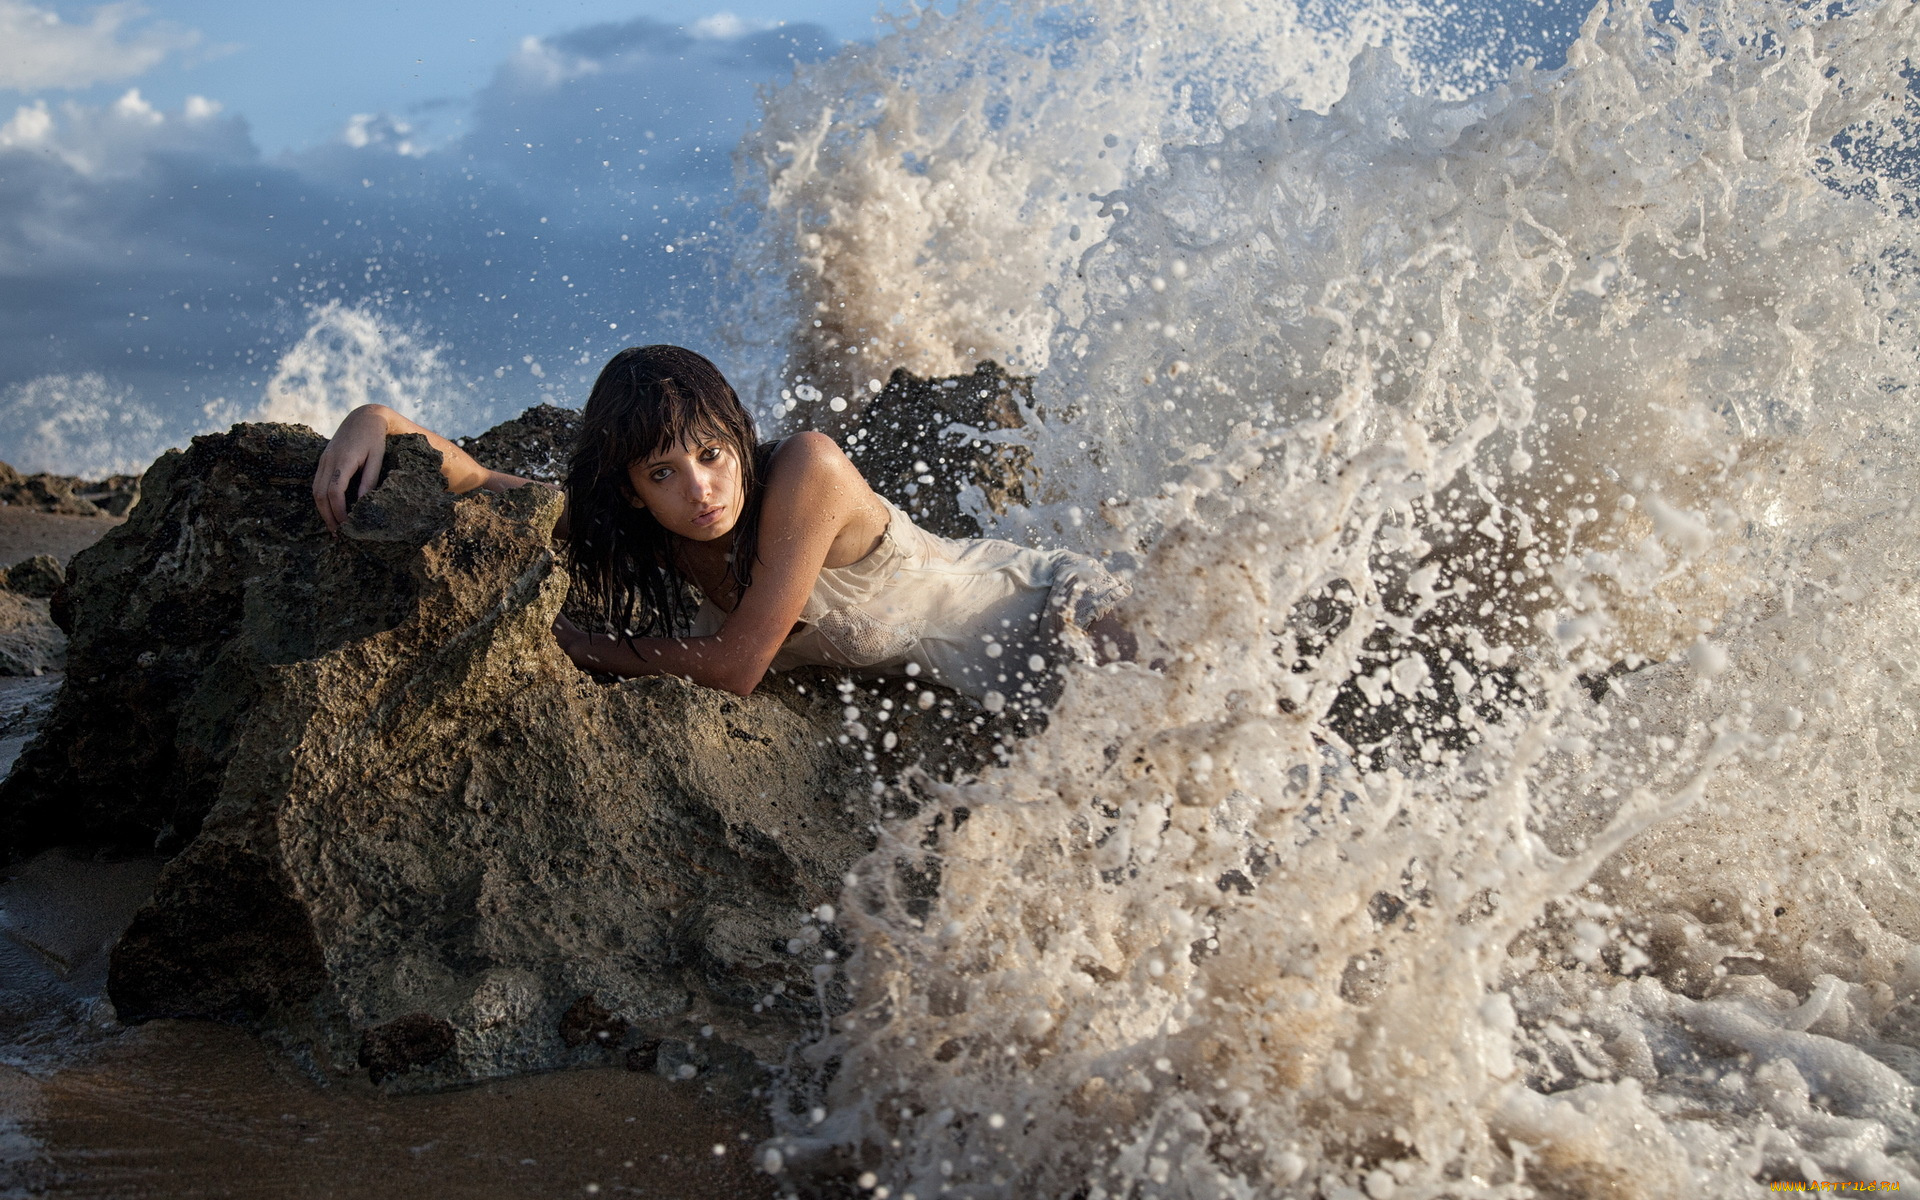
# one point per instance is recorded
(357, 449)
(360, 445)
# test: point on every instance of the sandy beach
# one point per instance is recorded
(187, 1109)
(25, 533)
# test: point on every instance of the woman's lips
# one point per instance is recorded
(708, 516)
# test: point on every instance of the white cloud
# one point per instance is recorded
(539, 65)
(154, 263)
(30, 126)
(381, 131)
(726, 25)
(39, 50)
(115, 141)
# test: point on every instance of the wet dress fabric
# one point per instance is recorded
(982, 616)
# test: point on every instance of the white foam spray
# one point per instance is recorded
(352, 355)
(1520, 802)
(915, 196)
(79, 425)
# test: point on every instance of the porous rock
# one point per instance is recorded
(31, 641)
(927, 445)
(412, 838)
(534, 445)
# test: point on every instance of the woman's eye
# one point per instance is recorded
(709, 454)
(660, 476)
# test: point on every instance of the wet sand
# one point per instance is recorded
(25, 533)
(187, 1109)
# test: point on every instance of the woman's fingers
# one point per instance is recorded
(370, 469)
(330, 482)
(330, 489)
(358, 448)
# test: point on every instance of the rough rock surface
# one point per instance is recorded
(917, 445)
(534, 445)
(413, 840)
(112, 496)
(39, 577)
(30, 643)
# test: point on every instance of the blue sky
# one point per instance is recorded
(466, 204)
(208, 206)
(299, 72)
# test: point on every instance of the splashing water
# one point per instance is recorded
(916, 195)
(1520, 801)
(351, 355)
(79, 424)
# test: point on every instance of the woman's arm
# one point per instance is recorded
(360, 444)
(812, 494)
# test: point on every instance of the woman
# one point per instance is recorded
(796, 560)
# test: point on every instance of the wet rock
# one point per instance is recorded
(30, 643)
(919, 445)
(39, 577)
(589, 1021)
(111, 497)
(534, 445)
(392, 796)
(25, 705)
(415, 1040)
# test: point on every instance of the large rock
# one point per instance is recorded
(31, 641)
(413, 839)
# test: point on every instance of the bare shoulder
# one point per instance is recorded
(811, 460)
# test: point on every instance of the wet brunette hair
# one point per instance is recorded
(625, 566)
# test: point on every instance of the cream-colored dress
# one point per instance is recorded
(982, 616)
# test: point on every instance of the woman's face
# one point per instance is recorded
(692, 489)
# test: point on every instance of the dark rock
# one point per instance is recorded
(534, 445)
(415, 1040)
(111, 497)
(910, 451)
(643, 1056)
(225, 937)
(39, 577)
(589, 1021)
(391, 794)
(31, 641)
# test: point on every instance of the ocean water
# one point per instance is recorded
(1514, 468)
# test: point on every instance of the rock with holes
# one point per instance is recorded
(926, 445)
(409, 837)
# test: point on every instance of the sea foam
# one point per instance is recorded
(1515, 792)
